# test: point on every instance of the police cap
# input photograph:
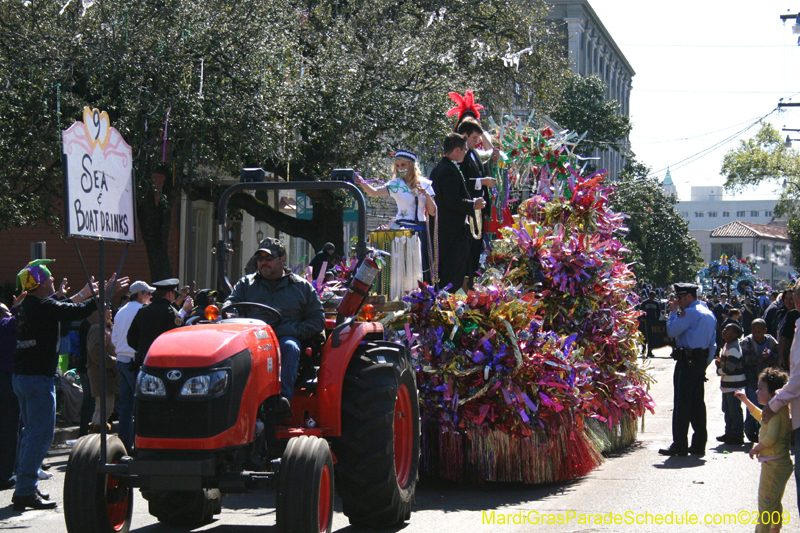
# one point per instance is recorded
(170, 284)
(685, 288)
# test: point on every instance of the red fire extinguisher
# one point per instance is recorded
(359, 288)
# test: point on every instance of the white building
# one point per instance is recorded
(707, 209)
(768, 243)
(740, 228)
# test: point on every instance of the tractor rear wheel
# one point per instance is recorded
(185, 508)
(378, 451)
(305, 487)
(94, 501)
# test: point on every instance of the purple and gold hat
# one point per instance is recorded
(34, 274)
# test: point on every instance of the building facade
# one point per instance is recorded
(767, 243)
(741, 228)
(592, 50)
(707, 210)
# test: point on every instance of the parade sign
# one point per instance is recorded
(99, 193)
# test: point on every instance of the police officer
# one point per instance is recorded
(693, 326)
(155, 318)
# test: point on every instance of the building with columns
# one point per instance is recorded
(592, 50)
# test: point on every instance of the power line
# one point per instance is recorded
(748, 121)
(702, 153)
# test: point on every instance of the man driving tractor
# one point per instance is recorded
(276, 286)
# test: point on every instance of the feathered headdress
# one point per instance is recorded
(464, 103)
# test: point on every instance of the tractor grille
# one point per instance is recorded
(179, 418)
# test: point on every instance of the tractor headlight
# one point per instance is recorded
(207, 385)
(149, 385)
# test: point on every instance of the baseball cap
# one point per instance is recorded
(272, 246)
(139, 286)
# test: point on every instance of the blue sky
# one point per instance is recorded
(705, 72)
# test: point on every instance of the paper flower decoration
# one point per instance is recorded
(532, 375)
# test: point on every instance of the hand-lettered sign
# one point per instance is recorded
(98, 180)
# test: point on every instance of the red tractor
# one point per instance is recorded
(206, 425)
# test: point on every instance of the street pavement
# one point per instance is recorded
(636, 484)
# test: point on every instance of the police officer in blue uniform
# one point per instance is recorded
(693, 327)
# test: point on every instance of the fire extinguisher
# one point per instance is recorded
(359, 288)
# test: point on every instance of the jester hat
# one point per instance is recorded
(34, 274)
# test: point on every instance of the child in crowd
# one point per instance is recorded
(734, 315)
(772, 449)
(731, 369)
(759, 352)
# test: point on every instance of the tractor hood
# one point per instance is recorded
(205, 345)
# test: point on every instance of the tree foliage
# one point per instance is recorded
(583, 108)
(762, 157)
(658, 236)
(765, 158)
(296, 87)
(142, 63)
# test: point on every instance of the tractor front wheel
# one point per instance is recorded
(305, 487)
(94, 501)
(378, 451)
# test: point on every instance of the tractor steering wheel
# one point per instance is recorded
(269, 310)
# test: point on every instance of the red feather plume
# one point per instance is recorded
(464, 103)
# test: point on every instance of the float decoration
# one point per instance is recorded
(533, 375)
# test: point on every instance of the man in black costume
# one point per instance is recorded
(456, 212)
(478, 182)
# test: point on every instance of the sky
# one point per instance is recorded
(706, 72)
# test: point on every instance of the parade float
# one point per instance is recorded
(724, 273)
(532, 376)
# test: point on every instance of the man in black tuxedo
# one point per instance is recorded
(479, 183)
(455, 208)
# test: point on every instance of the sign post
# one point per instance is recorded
(99, 204)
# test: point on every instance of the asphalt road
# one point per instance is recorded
(636, 481)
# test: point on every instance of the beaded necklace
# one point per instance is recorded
(476, 220)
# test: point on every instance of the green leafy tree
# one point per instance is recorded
(758, 159)
(764, 158)
(181, 87)
(658, 236)
(298, 88)
(583, 108)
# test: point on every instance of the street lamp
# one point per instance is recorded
(793, 184)
(259, 236)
